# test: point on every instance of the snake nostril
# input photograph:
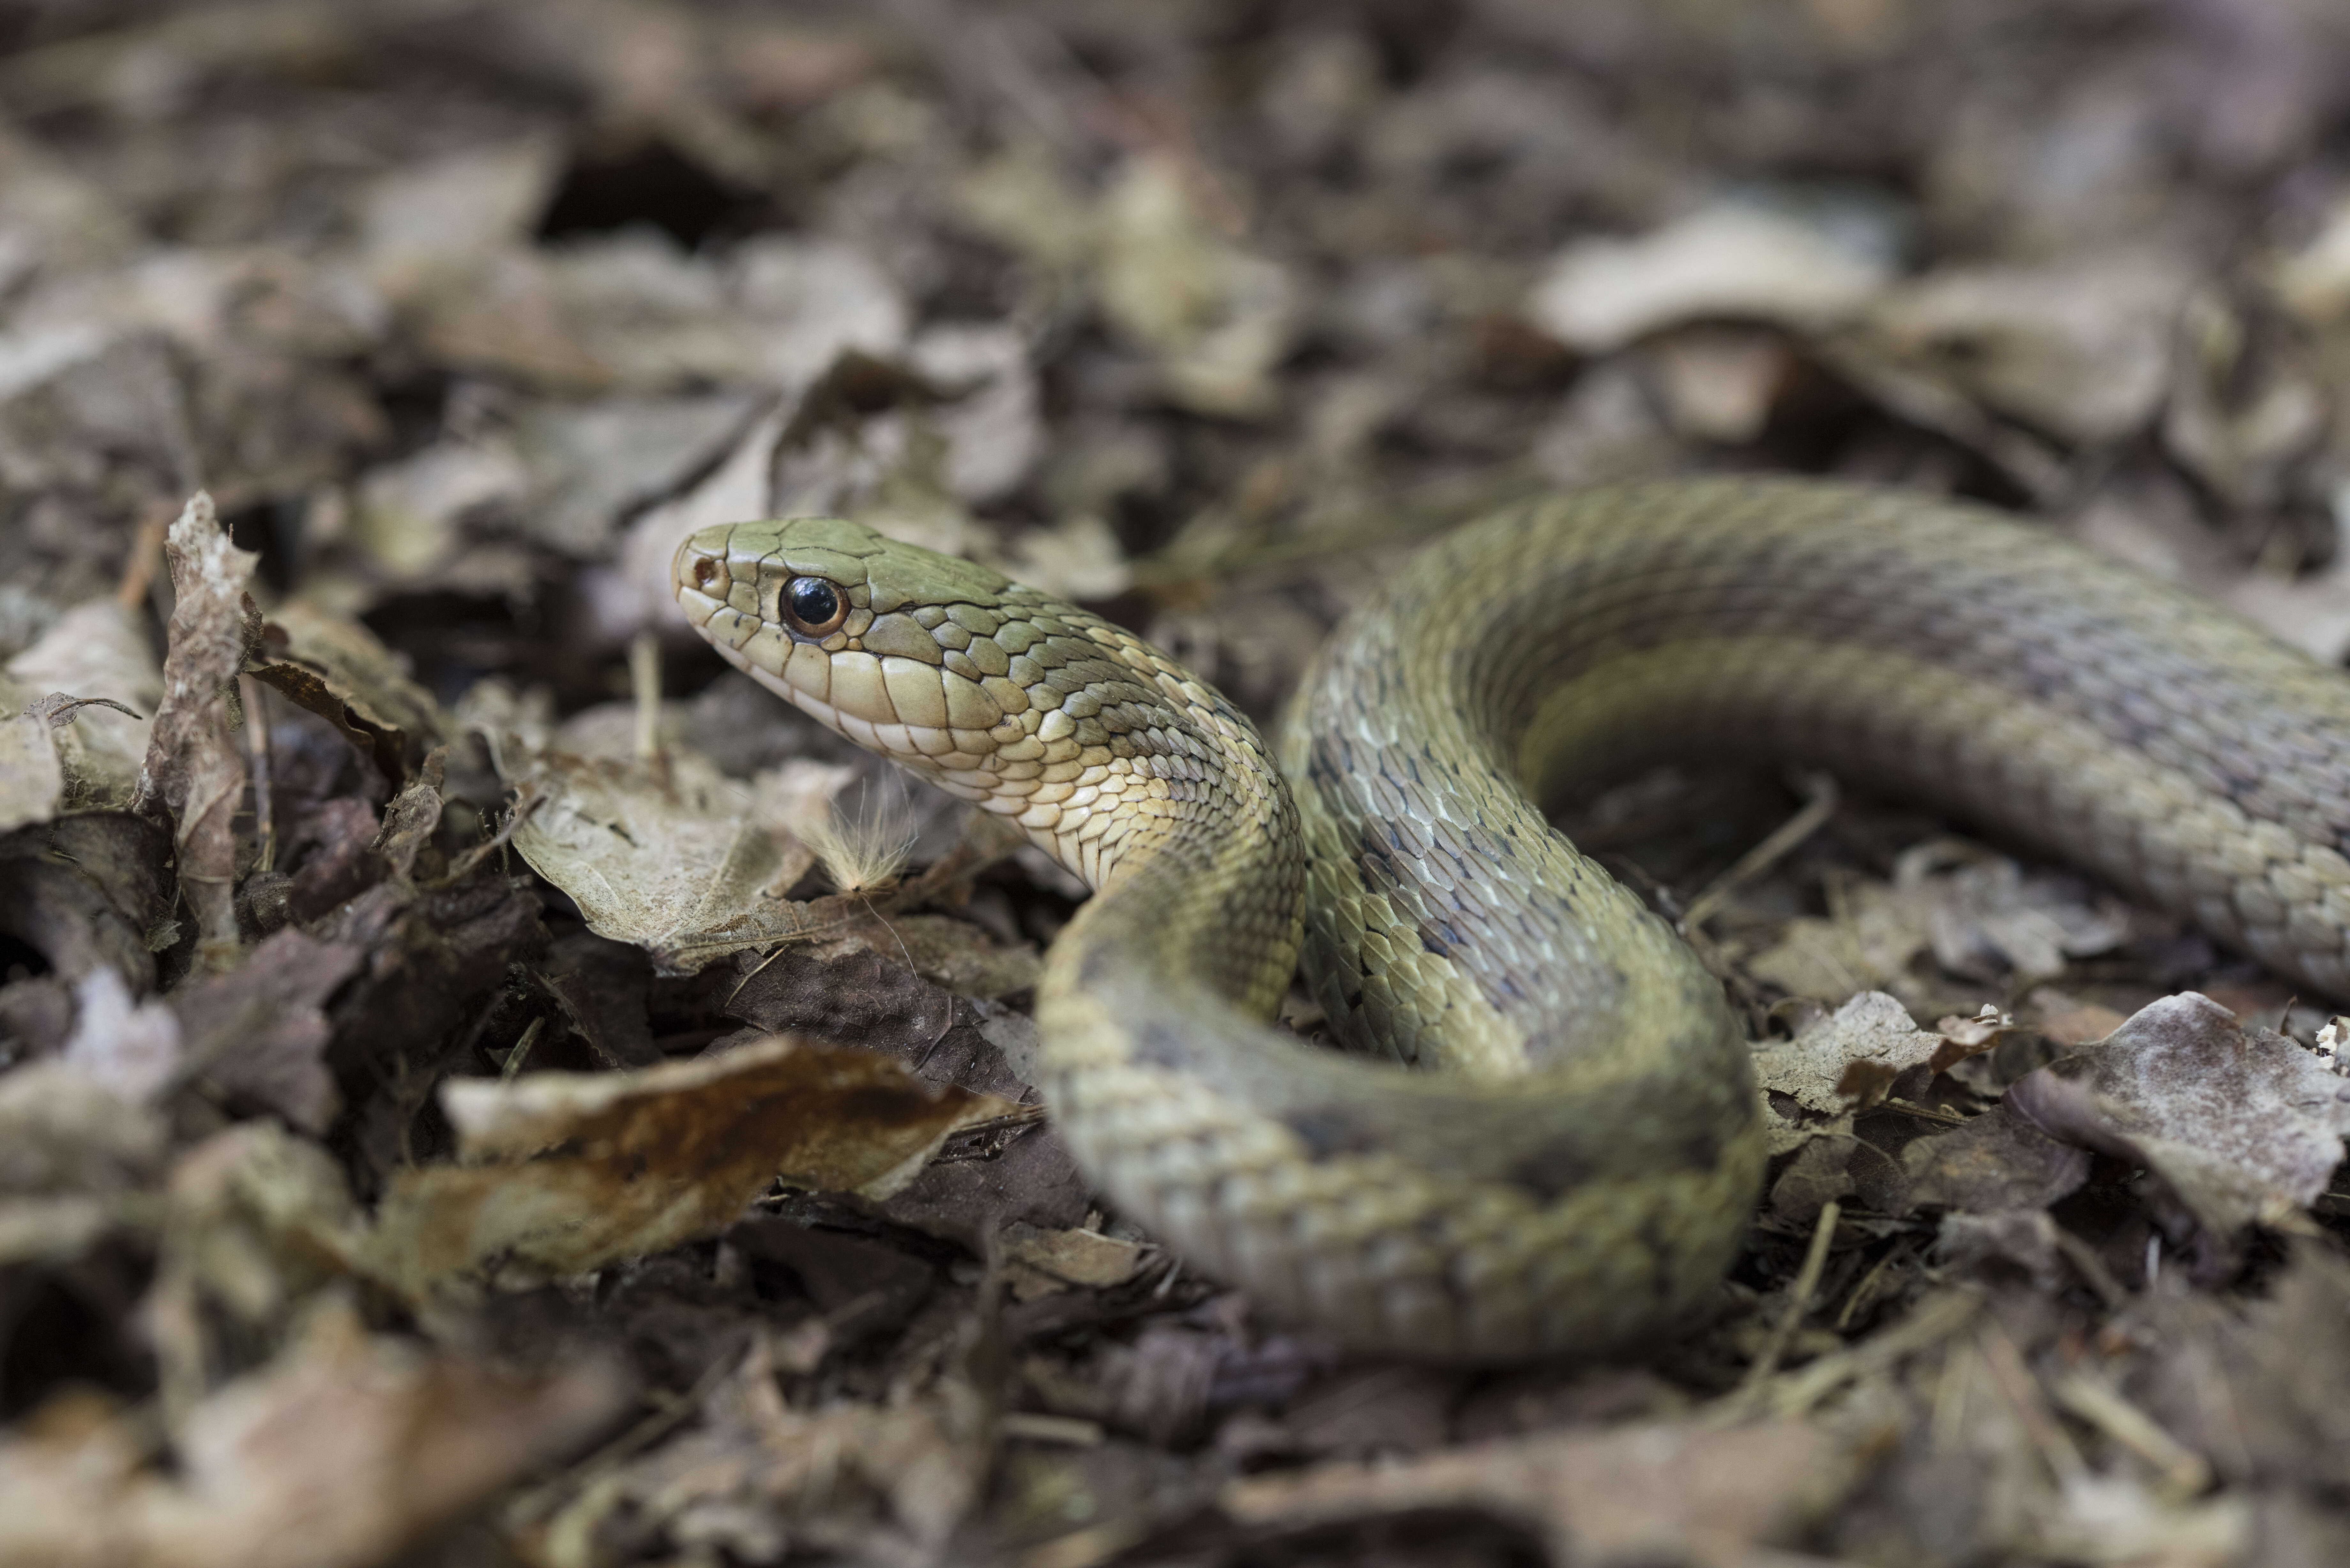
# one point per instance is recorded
(705, 572)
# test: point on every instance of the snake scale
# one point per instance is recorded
(1578, 1174)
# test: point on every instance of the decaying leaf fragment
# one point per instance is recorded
(97, 652)
(194, 772)
(664, 852)
(336, 668)
(1667, 1492)
(565, 1172)
(1847, 1062)
(879, 1482)
(2241, 1125)
(343, 1451)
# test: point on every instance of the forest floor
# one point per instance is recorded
(462, 1103)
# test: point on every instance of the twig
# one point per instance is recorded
(1799, 1300)
(256, 702)
(1819, 805)
(1928, 1327)
(2185, 1472)
(644, 685)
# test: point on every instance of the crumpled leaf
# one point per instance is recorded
(2080, 349)
(567, 1171)
(256, 1223)
(194, 771)
(1040, 1263)
(666, 853)
(95, 653)
(32, 779)
(346, 1450)
(334, 667)
(2242, 1126)
(1724, 261)
(1619, 1496)
(1216, 316)
(1982, 917)
(1845, 1063)
(90, 889)
(885, 1483)
(134, 1049)
(259, 1032)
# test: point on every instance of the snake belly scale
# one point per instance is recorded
(1577, 1173)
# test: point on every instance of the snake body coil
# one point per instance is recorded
(1578, 1175)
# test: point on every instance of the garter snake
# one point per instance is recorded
(1578, 1172)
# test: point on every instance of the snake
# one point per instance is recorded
(1540, 1135)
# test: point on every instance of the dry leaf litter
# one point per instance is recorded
(479, 1083)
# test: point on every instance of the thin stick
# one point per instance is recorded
(256, 702)
(644, 684)
(1807, 1282)
(1819, 805)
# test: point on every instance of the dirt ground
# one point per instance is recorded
(481, 1083)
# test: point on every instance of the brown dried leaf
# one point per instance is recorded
(2080, 349)
(878, 1484)
(1846, 1061)
(99, 649)
(259, 1032)
(346, 1450)
(1623, 1495)
(336, 668)
(1039, 1262)
(32, 778)
(194, 771)
(256, 1223)
(92, 889)
(1727, 261)
(668, 854)
(63, 1132)
(566, 1171)
(2242, 1126)
(1996, 1162)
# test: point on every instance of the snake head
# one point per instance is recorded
(890, 644)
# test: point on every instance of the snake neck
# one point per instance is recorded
(1204, 885)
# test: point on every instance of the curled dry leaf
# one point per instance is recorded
(565, 1172)
(878, 1484)
(1615, 1496)
(259, 1032)
(664, 852)
(1722, 262)
(344, 1451)
(94, 654)
(194, 772)
(2241, 1125)
(334, 667)
(1039, 1262)
(1846, 1061)
(2080, 349)
(1216, 317)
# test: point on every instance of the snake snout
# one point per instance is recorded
(698, 573)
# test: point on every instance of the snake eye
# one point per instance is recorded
(814, 606)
